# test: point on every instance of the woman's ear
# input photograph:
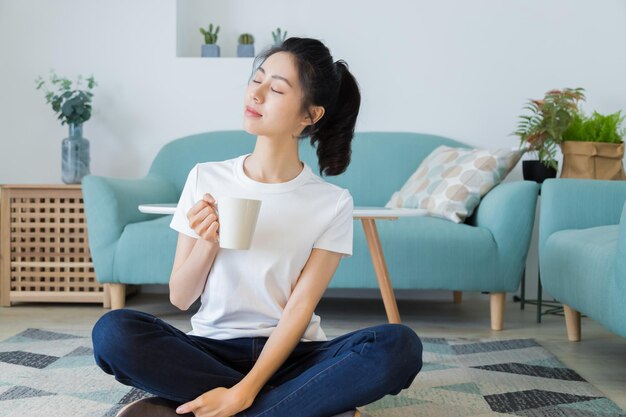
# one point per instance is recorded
(315, 114)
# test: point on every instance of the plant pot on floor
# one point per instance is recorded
(593, 160)
(537, 171)
(210, 50)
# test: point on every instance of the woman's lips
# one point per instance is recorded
(250, 112)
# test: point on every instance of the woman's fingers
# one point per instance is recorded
(203, 226)
(211, 233)
(196, 208)
(200, 216)
(207, 201)
(208, 220)
(203, 218)
(208, 198)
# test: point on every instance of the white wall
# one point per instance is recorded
(457, 68)
(462, 69)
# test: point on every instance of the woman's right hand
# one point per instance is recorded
(203, 219)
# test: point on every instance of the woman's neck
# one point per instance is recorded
(272, 163)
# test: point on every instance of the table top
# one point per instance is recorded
(44, 186)
(358, 212)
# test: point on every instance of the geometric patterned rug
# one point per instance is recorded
(463, 377)
(53, 374)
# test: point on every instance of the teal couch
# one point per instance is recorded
(487, 253)
(582, 250)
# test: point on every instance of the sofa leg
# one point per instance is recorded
(497, 302)
(118, 296)
(457, 296)
(572, 322)
(106, 300)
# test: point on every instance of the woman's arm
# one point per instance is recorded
(293, 322)
(194, 257)
(192, 263)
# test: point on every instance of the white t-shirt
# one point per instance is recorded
(247, 290)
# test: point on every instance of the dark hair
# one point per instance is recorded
(330, 85)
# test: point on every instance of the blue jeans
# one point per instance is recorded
(318, 379)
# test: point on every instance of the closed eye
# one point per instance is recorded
(259, 82)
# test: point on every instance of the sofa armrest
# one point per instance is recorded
(508, 211)
(579, 204)
(111, 204)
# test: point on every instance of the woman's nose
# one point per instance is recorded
(255, 97)
(256, 94)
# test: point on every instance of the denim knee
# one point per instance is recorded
(404, 350)
(413, 348)
(110, 334)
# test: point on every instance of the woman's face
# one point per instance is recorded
(273, 101)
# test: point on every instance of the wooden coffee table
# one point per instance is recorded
(368, 217)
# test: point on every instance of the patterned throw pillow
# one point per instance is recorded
(450, 182)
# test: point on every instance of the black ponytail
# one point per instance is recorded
(330, 85)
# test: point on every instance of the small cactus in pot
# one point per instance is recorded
(246, 45)
(279, 37)
(210, 47)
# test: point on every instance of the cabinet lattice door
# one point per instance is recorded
(45, 251)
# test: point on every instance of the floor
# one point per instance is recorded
(600, 357)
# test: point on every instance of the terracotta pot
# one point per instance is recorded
(594, 160)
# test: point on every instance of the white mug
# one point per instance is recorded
(237, 218)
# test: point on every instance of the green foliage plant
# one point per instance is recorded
(246, 39)
(278, 36)
(73, 105)
(210, 37)
(542, 130)
(596, 128)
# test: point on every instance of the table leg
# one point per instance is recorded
(539, 297)
(523, 290)
(376, 252)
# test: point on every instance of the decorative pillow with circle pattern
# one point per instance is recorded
(450, 182)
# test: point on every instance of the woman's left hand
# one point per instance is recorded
(219, 402)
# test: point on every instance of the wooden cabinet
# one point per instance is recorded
(44, 250)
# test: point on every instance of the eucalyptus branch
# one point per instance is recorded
(73, 105)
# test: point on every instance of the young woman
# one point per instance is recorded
(256, 348)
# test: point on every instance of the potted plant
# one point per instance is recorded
(246, 45)
(73, 106)
(279, 37)
(210, 47)
(593, 147)
(541, 132)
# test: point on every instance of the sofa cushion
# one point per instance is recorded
(451, 257)
(580, 265)
(450, 182)
(144, 253)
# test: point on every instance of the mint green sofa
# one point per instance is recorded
(487, 253)
(582, 250)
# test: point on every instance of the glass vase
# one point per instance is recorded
(75, 155)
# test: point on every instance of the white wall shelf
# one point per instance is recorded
(234, 18)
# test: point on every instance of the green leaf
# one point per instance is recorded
(67, 108)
